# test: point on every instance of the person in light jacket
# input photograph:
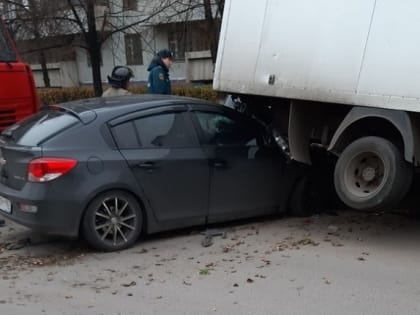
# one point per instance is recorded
(119, 80)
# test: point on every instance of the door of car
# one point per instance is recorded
(245, 172)
(162, 149)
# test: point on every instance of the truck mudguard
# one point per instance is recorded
(400, 119)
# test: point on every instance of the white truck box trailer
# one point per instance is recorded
(342, 74)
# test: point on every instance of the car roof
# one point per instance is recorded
(125, 104)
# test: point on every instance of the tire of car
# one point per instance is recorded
(371, 174)
(302, 202)
(112, 221)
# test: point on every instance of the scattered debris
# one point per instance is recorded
(333, 228)
(209, 234)
(132, 283)
(14, 245)
(326, 281)
(207, 241)
(23, 262)
(227, 248)
(290, 243)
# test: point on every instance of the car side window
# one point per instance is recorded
(125, 136)
(219, 129)
(161, 130)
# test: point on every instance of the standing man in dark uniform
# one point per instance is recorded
(159, 82)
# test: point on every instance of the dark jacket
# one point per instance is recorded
(158, 82)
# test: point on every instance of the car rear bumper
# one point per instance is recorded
(59, 217)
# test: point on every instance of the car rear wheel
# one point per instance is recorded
(113, 221)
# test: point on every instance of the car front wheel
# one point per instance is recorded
(113, 221)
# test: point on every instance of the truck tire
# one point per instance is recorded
(371, 174)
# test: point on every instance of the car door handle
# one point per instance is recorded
(147, 165)
(217, 163)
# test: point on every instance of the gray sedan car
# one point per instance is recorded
(112, 169)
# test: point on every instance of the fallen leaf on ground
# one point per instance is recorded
(132, 283)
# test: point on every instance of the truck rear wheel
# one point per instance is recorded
(371, 174)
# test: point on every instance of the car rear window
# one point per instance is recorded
(7, 53)
(36, 129)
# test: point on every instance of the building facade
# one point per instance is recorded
(134, 31)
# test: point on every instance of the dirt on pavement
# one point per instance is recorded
(353, 263)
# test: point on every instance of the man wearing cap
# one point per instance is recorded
(159, 82)
(118, 80)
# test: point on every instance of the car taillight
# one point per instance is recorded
(47, 169)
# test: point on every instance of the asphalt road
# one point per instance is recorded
(348, 264)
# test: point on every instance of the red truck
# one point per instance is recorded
(18, 97)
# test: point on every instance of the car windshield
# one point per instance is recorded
(35, 129)
(7, 53)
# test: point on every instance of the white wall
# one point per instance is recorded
(61, 74)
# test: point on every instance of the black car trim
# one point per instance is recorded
(147, 112)
(63, 109)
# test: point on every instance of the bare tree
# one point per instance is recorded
(116, 18)
(213, 23)
(95, 22)
(28, 20)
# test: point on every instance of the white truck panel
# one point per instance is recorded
(359, 52)
(241, 41)
(304, 51)
(392, 61)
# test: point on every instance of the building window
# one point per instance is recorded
(187, 37)
(176, 43)
(129, 5)
(133, 49)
